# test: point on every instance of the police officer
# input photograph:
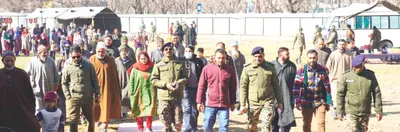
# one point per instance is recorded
(170, 76)
(300, 44)
(332, 39)
(259, 89)
(357, 88)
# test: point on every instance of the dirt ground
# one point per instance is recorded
(386, 75)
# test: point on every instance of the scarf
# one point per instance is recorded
(140, 66)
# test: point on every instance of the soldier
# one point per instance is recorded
(357, 88)
(332, 43)
(169, 76)
(375, 39)
(317, 35)
(259, 88)
(153, 31)
(300, 44)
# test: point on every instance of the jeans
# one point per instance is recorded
(190, 113)
(210, 114)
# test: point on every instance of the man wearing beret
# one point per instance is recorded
(357, 88)
(259, 89)
(170, 76)
(43, 75)
(300, 44)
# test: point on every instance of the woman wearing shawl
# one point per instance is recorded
(25, 40)
(143, 94)
(17, 40)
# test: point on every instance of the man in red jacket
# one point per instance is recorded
(217, 92)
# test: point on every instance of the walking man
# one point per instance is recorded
(352, 47)
(375, 39)
(286, 71)
(43, 75)
(332, 38)
(300, 44)
(157, 54)
(195, 66)
(338, 63)
(178, 47)
(311, 91)
(323, 52)
(80, 85)
(217, 93)
(170, 76)
(153, 32)
(107, 74)
(359, 86)
(17, 103)
(259, 87)
(238, 65)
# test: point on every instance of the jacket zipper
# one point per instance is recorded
(220, 86)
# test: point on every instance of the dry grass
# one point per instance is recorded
(386, 74)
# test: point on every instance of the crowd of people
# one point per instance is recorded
(104, 78)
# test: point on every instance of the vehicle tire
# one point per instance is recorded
(384, 46)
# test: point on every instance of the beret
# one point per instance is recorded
(357, 60)
(168, 44)
(257, 50)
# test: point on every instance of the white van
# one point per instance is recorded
(362, 17)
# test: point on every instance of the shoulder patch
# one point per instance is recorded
(345, 72)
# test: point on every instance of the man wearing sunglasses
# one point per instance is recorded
(170, 76)
(356, 90)
(79, 83)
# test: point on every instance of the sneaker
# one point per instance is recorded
(149, 130)
(236, 111)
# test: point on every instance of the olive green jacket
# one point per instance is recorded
(169, 71)
(259, 85)
(356, 91)
(80, 80)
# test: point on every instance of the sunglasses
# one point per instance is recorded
(76, 57)
(168, 49)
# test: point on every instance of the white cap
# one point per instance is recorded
(101, 45)
(234, 43)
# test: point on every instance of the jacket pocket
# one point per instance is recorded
(253, 77)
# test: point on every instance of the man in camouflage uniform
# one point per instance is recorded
(169, 76)
(317, 35)
(357, 88)
(185, 27)
(259, 89)
(332, 38)
(153, 32)
(300, 44)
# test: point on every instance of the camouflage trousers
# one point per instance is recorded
(266, 112)
(357, 123)
(170, 111)
(299, 54)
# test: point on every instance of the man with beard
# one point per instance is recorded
(286, 71)
(170, 76)
(116, 38)
(195, 67)
(259, 88)
(228, 60)
(157, 54)
(80, 85)
(352, 47)
(238, 64)
(17, 102)
(339, 62)
(110, 91)
(178, 47)
(43, 75)
(323, 52)
(311, 92)
(131, 53)
(112, 49)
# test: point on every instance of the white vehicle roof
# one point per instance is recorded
(381, 7)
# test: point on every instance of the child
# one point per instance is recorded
(53, 49)
(51, 118)
(200, 53)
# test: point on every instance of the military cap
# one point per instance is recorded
(257, 50)
(300, 29)
(333, 27)
(122, 47)
(358, 60)
(168, 44)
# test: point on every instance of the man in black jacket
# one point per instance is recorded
(195, 67)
